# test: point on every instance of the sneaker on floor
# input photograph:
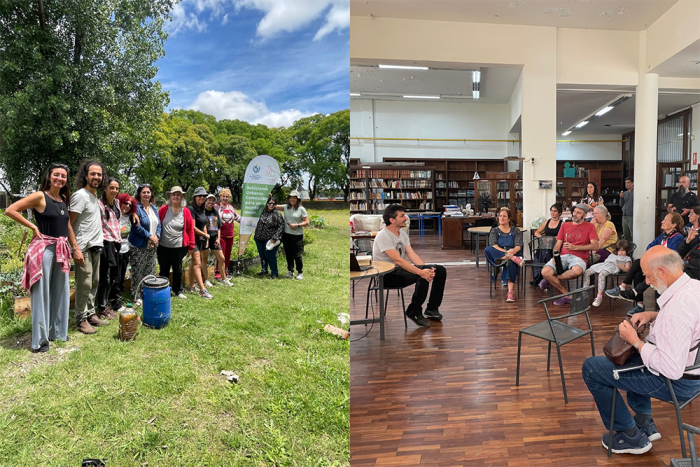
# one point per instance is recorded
(510, 297)
(433, 314)
(43, 348)
(103, 315)
(649, 428)
(95, 321)
(205, 294)
(227, 282)
(419, 320)
(273, 276)
(623, 444)
(504, 283)
(208, 284)
(544, 285)
(562, 301)
(262, 273)
(598, 300)
(636, 309)
(630, 295)
(614, 292)
(85, 327)
(517, 260)
(300, 277)
(137, 303)
(290, 275)
(181, 295)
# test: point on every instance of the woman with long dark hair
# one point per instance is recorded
(201, 239)
(268, 234)
(592, 199)
(295, 219)
(109, 259)
(47, 260)
(144, 238)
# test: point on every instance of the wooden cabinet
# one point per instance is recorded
(571, 190)
(452, 232)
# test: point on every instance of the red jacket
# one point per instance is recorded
(188, 233)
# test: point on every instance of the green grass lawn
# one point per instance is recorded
(160, 400)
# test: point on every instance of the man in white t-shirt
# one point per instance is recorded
(87, 243)
(393, 246)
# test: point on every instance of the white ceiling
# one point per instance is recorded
(497, 83)
(621, 15)
(685, 64)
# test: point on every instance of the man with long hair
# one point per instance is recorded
(88, 243)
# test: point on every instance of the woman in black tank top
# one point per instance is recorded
(47, 282)
(552, 226)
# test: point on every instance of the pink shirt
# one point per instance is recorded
(675, 330)
(32, 270)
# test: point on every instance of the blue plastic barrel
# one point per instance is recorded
(156, 302)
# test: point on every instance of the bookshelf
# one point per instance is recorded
(571, 190)
(608, 175)
(375, 186)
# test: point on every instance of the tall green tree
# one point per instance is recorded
(77, 81)
(322, 147)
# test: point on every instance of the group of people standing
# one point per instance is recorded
(105, 235)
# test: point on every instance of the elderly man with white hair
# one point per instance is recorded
(670, 347)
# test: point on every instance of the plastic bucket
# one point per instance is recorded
(156, 302)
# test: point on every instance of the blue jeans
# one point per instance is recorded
(641, 385)
(268, 258)
(510, 272)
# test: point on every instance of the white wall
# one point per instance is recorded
(591, 151)
(430, 120)
(695, 144)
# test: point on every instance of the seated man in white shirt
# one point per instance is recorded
(393, 246)
(670, 347)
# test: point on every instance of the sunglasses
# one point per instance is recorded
(272, 204)
(145, 185)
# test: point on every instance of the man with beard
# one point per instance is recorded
(669, 348)
(88, 243)
(578, 239)
(683, 200)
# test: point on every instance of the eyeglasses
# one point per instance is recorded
(272, 204)
(145, 185)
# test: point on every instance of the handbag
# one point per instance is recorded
(617, 349)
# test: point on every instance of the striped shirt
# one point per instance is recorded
(675, 330)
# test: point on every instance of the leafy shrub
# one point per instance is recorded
(309, 237)
(318, 222)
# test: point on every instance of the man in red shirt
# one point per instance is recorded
(574, 242)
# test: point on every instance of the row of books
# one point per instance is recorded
(400, 195)
(400, 184)
(354, 195)
(356, 184)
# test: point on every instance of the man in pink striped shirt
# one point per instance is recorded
(669, 348)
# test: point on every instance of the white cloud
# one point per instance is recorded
(292, 15)
(183, 21)
(235, 105)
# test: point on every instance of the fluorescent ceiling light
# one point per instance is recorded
(403, 67)
(421, 97)
(355, 94)
(475, 94)
(582, 124)
(566, 133)
(603, 111)
(476, 76)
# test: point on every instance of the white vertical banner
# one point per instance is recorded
(260, 178)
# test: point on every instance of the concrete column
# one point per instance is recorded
(645, 146)
(538, 123)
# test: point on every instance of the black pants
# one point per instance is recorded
(108, 285)
(292, 250)
(172, 258)
(636, 276)
(403, 278)
(116, 300)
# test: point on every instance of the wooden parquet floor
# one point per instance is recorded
(446, 395)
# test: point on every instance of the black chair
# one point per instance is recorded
(693, 460)
(534, 246)
(678, 405)
(374, 287)
(494, 269)
(552, 330)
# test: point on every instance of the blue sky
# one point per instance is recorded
(263, 61)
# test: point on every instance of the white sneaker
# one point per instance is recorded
(208, 284)
(137, 303)
(181, 295)
(598, 300)
(227, 283)
(300, 277)
(290, 275)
